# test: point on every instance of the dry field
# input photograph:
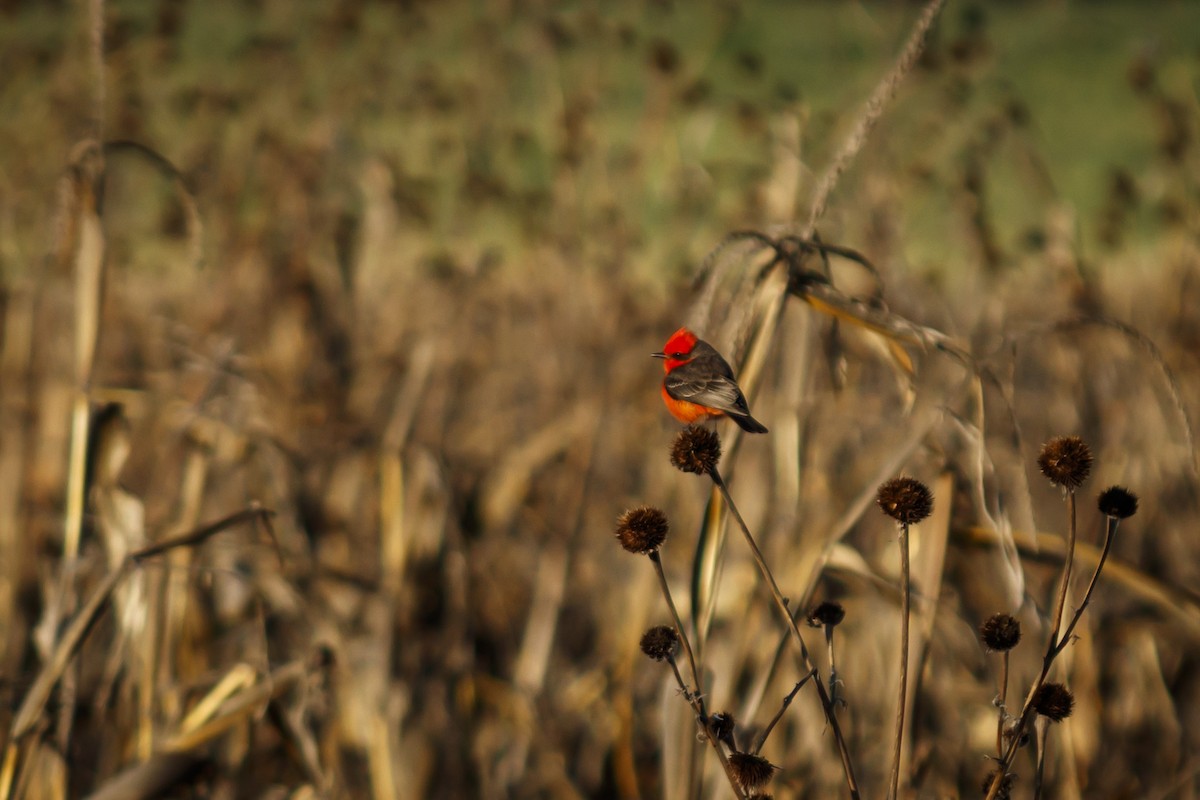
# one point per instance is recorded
(325, 376)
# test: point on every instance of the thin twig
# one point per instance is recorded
(833, 673)
(1110, 533)
(902, 699)
(1068, 564)
(683, 637)
(1003, 715)
(203, 533)
(787, 701)
(1040, 743)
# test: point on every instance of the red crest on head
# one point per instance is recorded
(681, 342)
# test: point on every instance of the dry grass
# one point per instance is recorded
(443, 397)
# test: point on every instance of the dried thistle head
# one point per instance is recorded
(660, 642)
(722, 725)
(826, 613)
(1118, 502)
(906, 500)
(696, 450)
(1053, 701)
(751, 771)
(1000, 633)
(1066, 461)
(642, 529)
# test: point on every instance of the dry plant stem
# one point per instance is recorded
(30, 767)
(694, 697)
(34, 703)
(1040, 743)
(683, 637)
(89, 282)
(787, 701)
(1066, 576)
(833, 674)
(905, 601)
(1003, 700)
(1110, 533)
(241, 705)
(96, 52)
(149, 778)
(790, 624)
(1053, 647)
(204, 532)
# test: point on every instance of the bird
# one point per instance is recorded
(699, 383)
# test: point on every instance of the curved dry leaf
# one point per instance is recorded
(1171, 601)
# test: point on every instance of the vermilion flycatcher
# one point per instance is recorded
(700, 384)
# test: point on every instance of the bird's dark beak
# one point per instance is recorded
(658, 355)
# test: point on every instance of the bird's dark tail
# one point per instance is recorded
(749, 424)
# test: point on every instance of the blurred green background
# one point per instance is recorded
(622, 134)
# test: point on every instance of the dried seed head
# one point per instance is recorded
(642, 529)
(751, 771)
(722, 727)
(906, 500)
(1000, 633)
(826, 613)
(1054, 701)
(696, 450)
(1066, 461)
(1005, 785)
(660, 642)
(1119, 502)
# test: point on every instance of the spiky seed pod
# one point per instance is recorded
(696, 450)
(825, 613)
(1118, 502)
(722, 725)
(1005, 785)
(660, 642)
(906, 500)
(1066, 461)
(1054, 701)
(751, 771)
(642, 529)
(1000, 633)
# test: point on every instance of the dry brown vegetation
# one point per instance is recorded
(309, 465)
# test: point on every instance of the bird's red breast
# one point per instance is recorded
(687, 412)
